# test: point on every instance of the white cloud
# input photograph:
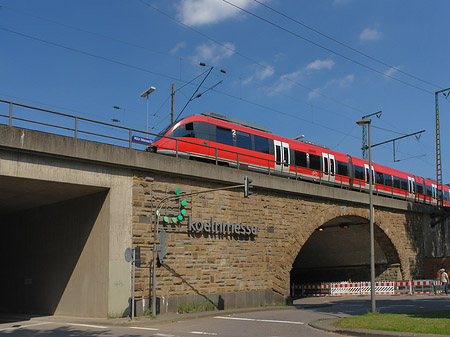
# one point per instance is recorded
(320, 64)
(210, 52)
(265, 73)
(202, 12)
(179, 46)
(287, 81)
(335, 82)
(314, 93)
(369, 34)
(391, 71)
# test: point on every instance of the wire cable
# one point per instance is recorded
(345, 45)
(325, 48)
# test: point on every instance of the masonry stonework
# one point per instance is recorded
(214, 267)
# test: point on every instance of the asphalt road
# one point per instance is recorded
(276, 322)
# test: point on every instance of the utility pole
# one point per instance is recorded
(439, 196)
(364, 145)
(173, 103)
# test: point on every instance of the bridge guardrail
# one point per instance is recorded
(78, 127)
(415, 287)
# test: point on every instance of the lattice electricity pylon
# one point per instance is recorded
(364, 146)
(440, 192)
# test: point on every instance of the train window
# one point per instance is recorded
(379, 178)
(419, 188)
(300, 159)
(185, 130)
(359, 172)
(342, 168)
(286, 156)
(396, 181)
(243, 140)
(403, 184)
(203, 131)
(224, 136)
(261, 144)
(429, 191)
(388, 180)
(314, 161)
(278, 154)
(446, 196)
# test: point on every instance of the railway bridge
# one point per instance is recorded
(70, 208)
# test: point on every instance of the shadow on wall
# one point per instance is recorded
(40, 248)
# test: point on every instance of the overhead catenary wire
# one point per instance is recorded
(324, 48)
(159, 74)
(345, 45)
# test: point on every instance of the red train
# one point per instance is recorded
(212, 137)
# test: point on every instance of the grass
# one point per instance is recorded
(431, 322)
(196, 307)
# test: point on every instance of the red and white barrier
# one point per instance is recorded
(364, 288)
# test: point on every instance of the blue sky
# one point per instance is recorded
(298, 67)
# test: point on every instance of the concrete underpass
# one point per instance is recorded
(51, 237)
(339, 250)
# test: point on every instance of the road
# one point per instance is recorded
(279, 322)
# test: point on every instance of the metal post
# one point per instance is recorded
(147, 116)
(10, 114)
(134, 273)
(372, 236)
(154, 281)
(76, 127)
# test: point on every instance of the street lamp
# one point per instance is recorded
(363, 122)
(145, 94)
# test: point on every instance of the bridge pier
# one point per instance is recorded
(71, 207)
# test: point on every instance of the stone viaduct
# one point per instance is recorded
(69, 209)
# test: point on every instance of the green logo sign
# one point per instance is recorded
(181, 210)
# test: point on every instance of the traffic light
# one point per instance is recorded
(247, 187)
(137, 257)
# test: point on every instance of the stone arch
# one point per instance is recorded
(390, 235)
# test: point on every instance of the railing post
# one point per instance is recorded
(268, 162)
(76, 127)
(217, 162)
(10, 114)
(238, 161)
(129, 138)
(176, 148)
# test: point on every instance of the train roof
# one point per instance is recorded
(251, 125)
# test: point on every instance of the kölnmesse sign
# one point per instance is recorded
(214, 227)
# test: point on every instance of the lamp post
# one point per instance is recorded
(363, 122)
(145, 94)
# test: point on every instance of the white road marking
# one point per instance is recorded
(87, 325)
(25, 326)
(142, 328)
(163, 335)
(203, 333)
(258, 320)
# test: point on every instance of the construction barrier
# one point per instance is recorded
(364, 288)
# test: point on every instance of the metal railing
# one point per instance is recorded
(24, 116)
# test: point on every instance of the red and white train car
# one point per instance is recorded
(213, 137)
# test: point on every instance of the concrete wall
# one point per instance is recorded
(33, 156)
(55, 257)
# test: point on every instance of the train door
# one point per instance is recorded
(282, 156)
(328, 167)
(411, 187)
(434, 191)
(366, 175)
